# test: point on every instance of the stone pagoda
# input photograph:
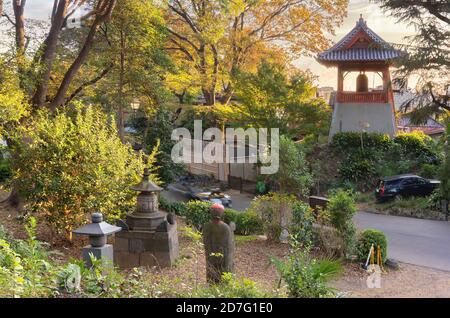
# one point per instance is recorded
(149, 236)
(361, 50)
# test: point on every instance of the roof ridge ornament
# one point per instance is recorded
(361, 20)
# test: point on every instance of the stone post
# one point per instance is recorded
(218, 238)
(97, 231)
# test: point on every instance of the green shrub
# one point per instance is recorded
(177, 207)
(429, 171)
(391, 166)
(279, 212)
(444, 171)
(26, 269)
(307, 277)
(341, 209)
(418, 147)
(273, 209)
(344, 141)
(5, 169)
(73, 163)
(302, 223)
(197, 213)
(247, 223)
(363, 158)
(357, 169)
(161, 132)
(293, 176)
(365, 240)
(231, 287)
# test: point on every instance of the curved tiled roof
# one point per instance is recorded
(382, 52)
(364, 54)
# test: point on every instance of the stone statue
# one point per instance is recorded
(218, 238)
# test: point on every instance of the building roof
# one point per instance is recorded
(359, 45)
(430, 128)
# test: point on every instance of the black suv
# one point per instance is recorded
(404, 186)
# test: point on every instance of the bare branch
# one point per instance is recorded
(89, 83)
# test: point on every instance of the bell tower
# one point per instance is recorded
(362, 50)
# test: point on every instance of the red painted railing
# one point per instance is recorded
(367, 97)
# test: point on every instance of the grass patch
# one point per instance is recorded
(405, 203)
(365, 197)
(417, 207)
(240, 239)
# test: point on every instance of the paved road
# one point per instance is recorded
(410, 240)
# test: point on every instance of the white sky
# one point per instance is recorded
(38, 9)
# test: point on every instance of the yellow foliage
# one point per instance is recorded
(13, 105)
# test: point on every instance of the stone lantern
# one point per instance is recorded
(149, 236)
(97, 231)
(146, 216)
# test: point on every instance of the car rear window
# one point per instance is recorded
(392, 183)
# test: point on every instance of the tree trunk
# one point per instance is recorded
(74, 68)
(210, 95)
(18, 8)
(48, 57)
(227, 94)
(104, 9)
(181, 97)
(120, 122)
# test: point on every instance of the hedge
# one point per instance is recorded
(197, 213)
(344, 141)
(365, 240)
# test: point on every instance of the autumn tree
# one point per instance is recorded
(34, 65)
(428, 56)
(38, 66)
(272, 98)
(128, 61)
(220, 38)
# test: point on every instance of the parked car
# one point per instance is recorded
(214, 196)
(404, 186)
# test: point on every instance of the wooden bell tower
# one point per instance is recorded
(362, 50)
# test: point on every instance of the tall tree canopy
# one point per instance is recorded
(128, 61)
(36, 66)
(218, 38)
(428, 53)
(272, 98)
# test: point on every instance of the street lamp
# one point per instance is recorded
(364, 126)
(135, 104)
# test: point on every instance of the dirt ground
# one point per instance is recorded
(253, 256)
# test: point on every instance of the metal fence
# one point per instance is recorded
(239, 176)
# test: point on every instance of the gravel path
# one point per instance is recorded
(408, 281)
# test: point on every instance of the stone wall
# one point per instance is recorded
(142, 248)
(351, 116)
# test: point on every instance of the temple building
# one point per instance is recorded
(365, 109)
